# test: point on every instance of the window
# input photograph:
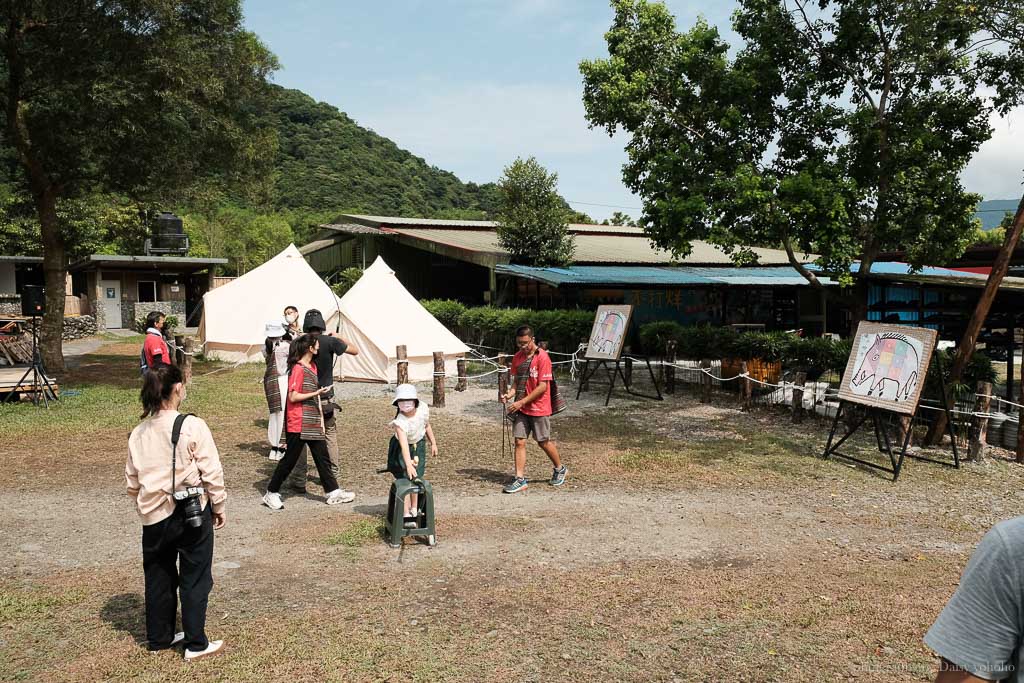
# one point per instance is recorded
(147, 291)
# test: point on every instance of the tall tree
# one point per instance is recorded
(838, 127)
(141, 98)
(532, 218)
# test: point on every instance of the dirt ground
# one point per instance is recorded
(691, 543)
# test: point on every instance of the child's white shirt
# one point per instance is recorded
(415, 427)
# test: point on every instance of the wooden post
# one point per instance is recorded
(179, 350)
(402, 363)
(586, 385)
(1020, 418)
(747, 386)
(461, 384)
(629, 372)
(186, 365)
(670, 370)
(502, 375)
(439, 379)
(979, 425)
(798, 396)
(705, 382)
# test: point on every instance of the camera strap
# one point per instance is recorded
(175, 435)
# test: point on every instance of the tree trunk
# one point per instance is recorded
(965, 349)
(55, 272)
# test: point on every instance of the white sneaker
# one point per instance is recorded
(273, 501)
(274, 456)
(214, 648)
(340, 496)
(177, 640)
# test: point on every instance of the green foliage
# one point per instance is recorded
(170, 323)
(495, 327)
(812, 354)
(447, 311)
(328, 163)
(979, 369)
(346, 280)
(654, 336)
(842, 131)
(619, 218)
(243, 236)
(989, 238)
(532, 218)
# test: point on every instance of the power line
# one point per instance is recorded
(607, 206)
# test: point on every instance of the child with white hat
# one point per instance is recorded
(407, 452)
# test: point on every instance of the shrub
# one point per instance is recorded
(654, 335)
(446, 311)
(170, 322)
(346, 280)
(495, 327)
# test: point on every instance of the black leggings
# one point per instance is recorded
(321, 458)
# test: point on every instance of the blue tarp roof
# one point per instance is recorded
(752, 276)
(659, 275)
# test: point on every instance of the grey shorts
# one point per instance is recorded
(525, 425)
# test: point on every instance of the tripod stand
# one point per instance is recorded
(38, 374)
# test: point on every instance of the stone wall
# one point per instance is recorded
(133, 310)
(78, 327)
(10, 304)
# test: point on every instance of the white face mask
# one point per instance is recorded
(292, 317)
(407, 406)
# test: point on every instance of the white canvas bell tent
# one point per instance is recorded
(377, 315)
(235, 314)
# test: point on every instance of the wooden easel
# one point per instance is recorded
(613, 368)
(884, 443)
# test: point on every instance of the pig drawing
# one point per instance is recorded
(892, 359)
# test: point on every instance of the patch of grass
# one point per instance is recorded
(32, 604)
(359, 533)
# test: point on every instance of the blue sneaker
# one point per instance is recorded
(558, 476)
(518, 484)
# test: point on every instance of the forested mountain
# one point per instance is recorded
(326, 161)
(991, 212)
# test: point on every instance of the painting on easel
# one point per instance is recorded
(609, 332)
(887, 366)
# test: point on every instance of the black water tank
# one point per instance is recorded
(168, 235)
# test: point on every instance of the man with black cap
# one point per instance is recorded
(331, 346)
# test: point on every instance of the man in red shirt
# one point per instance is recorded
(154, 349)
(531, 409)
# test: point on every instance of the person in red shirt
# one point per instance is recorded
(531, 408)
(154, 349)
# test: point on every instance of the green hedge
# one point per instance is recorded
(170, 323)
(489, 326)
(810, 354)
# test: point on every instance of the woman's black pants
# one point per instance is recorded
(321, 458)
(177, 558)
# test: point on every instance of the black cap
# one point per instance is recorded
(314, 320)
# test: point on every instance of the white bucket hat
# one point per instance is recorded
(405, 392)
(275, 329)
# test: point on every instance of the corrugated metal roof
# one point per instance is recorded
(901, 272)
(351, 228)
(597, 248)
(404, 222)
(315, 246)
(21, 259)
(660, 275)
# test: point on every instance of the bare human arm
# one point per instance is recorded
(403, 441)
(433, 441)
(951, 673)
(537, 392)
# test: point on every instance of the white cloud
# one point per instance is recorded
(997, 170)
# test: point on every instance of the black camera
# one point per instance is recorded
(192, 504)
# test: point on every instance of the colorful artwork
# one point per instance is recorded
(609, 332)
(887, 366)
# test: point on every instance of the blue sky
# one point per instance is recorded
(471, 84)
